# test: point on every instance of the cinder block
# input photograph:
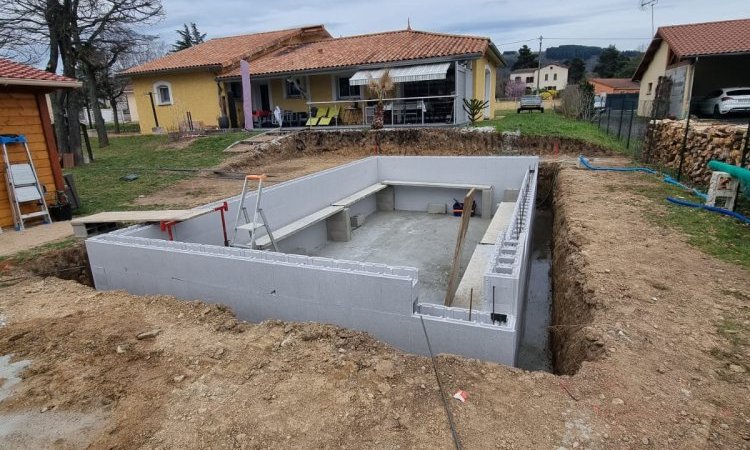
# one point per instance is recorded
(386, 199)
(358, 220)
(437, 208)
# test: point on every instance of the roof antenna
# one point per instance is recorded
(408, 24)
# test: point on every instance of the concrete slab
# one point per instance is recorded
(12, 242)
(414, 239)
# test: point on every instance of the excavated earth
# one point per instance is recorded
(650, 341)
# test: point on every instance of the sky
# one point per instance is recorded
(587, 22)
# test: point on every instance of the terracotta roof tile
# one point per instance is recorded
(218, 53)
(16, 71)
(617, 83)
(378, 48)
(710, 38)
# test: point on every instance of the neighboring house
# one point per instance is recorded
(432, 72)
(690, 61)
(183, 84)
(24, 110)
(553, 77)
(614, 86)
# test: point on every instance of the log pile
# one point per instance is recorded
(705, 141)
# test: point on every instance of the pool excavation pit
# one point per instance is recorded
(369, 245)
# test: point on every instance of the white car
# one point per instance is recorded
(724, 101)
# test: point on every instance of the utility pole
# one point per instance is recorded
(539, 65)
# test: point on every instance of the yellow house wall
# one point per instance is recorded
(655, 70)
(320, 88)
(478, 68)
(195, 92)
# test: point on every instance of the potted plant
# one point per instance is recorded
(62, 209)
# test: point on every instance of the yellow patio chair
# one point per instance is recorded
(319, 115)
(332, 113)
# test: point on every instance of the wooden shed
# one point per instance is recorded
(24, 110)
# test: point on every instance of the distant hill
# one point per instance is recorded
(564, 52)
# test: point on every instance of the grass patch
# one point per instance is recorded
(125, 127)
(719, 236)
(99, 184)
(32, 253)
(556, 125)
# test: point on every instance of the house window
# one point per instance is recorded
(346, 90)
(290, 89)
(649, 88)
(163, 93)
(546, 77)
(529, 79)
(518, 79)
(554, 77)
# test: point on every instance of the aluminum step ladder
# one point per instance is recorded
(252, 226)
(23, 183)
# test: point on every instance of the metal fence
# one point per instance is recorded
(619, 118)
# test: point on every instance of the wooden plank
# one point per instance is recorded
(479, 187)
(354, 198)
(168, 215)
(456, 265)
(299, 225)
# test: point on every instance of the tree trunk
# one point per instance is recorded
(113, 104)
(90, 86)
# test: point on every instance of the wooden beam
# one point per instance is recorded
(49, 136)
(456, 266)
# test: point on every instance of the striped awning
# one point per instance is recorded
(408, 74)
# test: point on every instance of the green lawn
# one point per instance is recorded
(552, 124)
(99, 184)
(720, 236)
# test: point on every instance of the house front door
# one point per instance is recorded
(265, 98)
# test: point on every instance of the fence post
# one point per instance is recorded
(609, 113)
(684, 146)
(619, 126)
(630, 129)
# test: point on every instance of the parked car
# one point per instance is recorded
(724, 101)
(530, 103)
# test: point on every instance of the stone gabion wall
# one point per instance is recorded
(704, 143)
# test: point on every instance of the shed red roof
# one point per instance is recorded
(699, 39)
(377, 48)
(13, 73)
(220, 53)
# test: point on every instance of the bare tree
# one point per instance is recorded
(73, 32)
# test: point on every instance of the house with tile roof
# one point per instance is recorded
(686, 62)
(614, 86)
(182, 86)
(432, 72)
(24, 110)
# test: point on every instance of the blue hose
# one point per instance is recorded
(672, 181)
(585, 163)
(726, 212)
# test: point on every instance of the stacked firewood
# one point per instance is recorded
(705, 141)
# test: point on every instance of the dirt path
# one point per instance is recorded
(13, 242)
(665, 325)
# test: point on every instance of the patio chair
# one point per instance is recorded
(333, 112)
(319, 115)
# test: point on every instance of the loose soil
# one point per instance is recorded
(312, 151)
(650, 334)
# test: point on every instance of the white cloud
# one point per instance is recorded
(589, 22)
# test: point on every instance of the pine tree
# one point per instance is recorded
(611, 62)
(526, 59)
(189, 36)
(576, 70)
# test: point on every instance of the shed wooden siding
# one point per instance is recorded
(19, 114)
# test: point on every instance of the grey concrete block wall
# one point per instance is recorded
(376, 298)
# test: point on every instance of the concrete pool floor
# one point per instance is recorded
(414, 239)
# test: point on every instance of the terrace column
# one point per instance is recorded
(247, 100)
